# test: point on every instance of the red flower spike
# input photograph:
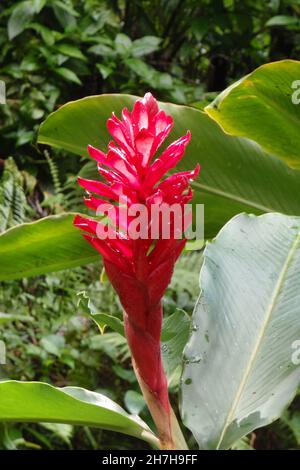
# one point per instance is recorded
(140, 269)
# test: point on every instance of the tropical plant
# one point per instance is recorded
(241, 347)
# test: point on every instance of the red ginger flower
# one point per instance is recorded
(140, 269)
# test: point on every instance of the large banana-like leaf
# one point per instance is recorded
(240, 369)
(236, 174)
(264, 106)
(43, 246)
(41, 402)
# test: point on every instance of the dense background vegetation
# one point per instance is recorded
(60, 50)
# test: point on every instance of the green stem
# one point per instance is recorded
(178, 438)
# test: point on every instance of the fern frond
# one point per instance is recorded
(12, 197)
(187, 268)
(54, 173)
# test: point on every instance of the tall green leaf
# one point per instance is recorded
(240, 370)
(21, 16)
(47, 245)
(41, 402)
(264, 106)
(236, 175)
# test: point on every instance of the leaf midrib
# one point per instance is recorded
(230, 196)
(260, 337)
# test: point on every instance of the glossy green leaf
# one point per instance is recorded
(47, 245)
(175, 333)
(40, 402)
(47, 34)
(22, 15)
(71, 51)
(123, 44)
(283, 20)
(264, 106)
(134, 402)
(103, 319)
(145, 45)
(241, 367)
(140, 68)
(53, 344)
(236, 175)
(68, 74)
(20, 18)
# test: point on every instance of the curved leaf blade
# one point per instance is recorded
(41, 402)
(104, 319)
(236, 174)
(175, 333)
(43, 246)
(239, 372)
(264, 106)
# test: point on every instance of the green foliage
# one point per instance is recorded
(264, 106)
(236, 176)
(58, 51)
(55, 346)
(46, 245)
(292, 421)
(175, 329)
(63, 346)
(52, 52)
(33, 401)
(239, 371)
(12, 197)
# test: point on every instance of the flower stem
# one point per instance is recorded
(169, 432)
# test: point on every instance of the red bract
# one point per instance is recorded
(139, 269)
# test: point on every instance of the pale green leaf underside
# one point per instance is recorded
(239, 373)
